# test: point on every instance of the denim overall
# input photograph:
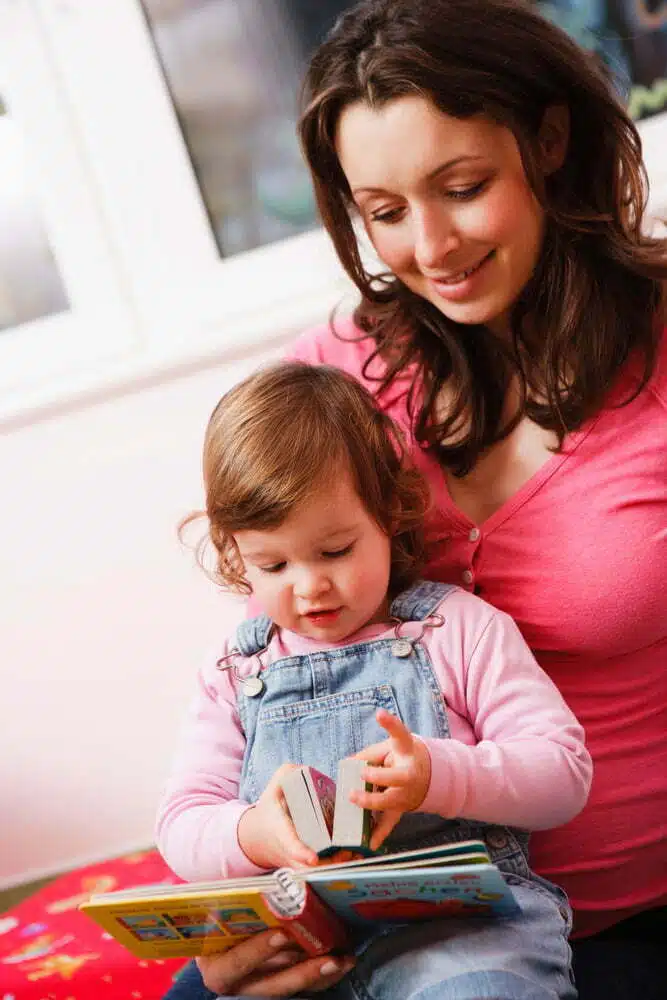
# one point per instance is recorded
(319, 707)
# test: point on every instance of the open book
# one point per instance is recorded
(313, 906)
(320, 808)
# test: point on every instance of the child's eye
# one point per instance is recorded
(337, 553)
(275, 568)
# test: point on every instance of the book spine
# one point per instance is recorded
(305, 917)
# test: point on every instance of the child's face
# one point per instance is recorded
(324, 572)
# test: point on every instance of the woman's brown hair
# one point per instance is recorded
(289, 430)
(597, 293)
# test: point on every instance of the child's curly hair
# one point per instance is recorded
(285, 431)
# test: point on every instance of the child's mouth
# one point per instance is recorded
(323, 616)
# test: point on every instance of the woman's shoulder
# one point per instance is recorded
(343, 345)
(340, 343)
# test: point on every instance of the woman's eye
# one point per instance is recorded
(337, 553)
(466, 194)
(387, 216)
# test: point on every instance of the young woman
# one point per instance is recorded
(517, 336)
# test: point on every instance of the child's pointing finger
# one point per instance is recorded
(397, 731)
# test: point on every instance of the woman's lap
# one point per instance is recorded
(628, 963)
(523, 958)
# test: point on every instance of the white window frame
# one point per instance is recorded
(149, 291)
(653, 133)
(193, 302)
(191, 299)
(51, 358)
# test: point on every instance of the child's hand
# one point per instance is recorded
(266, 833)
(404, 772)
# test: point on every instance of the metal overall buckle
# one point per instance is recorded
(402, 646)
(252, 684)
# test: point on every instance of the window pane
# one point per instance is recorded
(630, 36)
(30, 284)
(234, 68)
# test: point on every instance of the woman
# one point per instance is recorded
(516, 333)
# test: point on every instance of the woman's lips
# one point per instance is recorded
(461, 285)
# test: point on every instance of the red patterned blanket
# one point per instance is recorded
(50, 951)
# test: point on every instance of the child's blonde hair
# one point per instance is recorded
(282, 433)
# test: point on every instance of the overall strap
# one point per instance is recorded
(419, 601)
(253, 634)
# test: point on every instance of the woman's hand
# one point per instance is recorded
(269, 965)
(266, 833)
(403, 771)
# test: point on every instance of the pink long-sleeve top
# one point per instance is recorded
(578, 558)
(515, 755)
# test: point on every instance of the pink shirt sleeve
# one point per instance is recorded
(525, 763)
(198, 816)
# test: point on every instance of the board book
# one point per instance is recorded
(320, 808)
(314, 906)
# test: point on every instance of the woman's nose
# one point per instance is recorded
(435, 236)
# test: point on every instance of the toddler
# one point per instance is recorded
(313, 510)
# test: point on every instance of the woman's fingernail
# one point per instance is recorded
(329, 968)
(278, 940)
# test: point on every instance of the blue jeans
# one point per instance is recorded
(523, 958)
(604, 969)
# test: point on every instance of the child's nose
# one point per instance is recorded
(310, 584)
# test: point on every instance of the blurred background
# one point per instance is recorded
(158, 239)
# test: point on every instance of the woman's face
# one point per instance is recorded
(446, 204)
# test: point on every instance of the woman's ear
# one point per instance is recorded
(553, 138)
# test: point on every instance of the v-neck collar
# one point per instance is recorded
(523, 494)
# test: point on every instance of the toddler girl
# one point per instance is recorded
(313, 510)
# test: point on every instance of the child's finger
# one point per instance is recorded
(375, 753)
(339, 858)
(383, 827)
(295, 848)
(388, 799)
(387, 777)
(398, 732)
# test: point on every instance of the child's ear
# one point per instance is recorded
(553, 138)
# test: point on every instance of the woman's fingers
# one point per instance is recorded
(312, 975)
(223, 973)
(264, 965)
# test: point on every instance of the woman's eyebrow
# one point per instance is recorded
(465, 157)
